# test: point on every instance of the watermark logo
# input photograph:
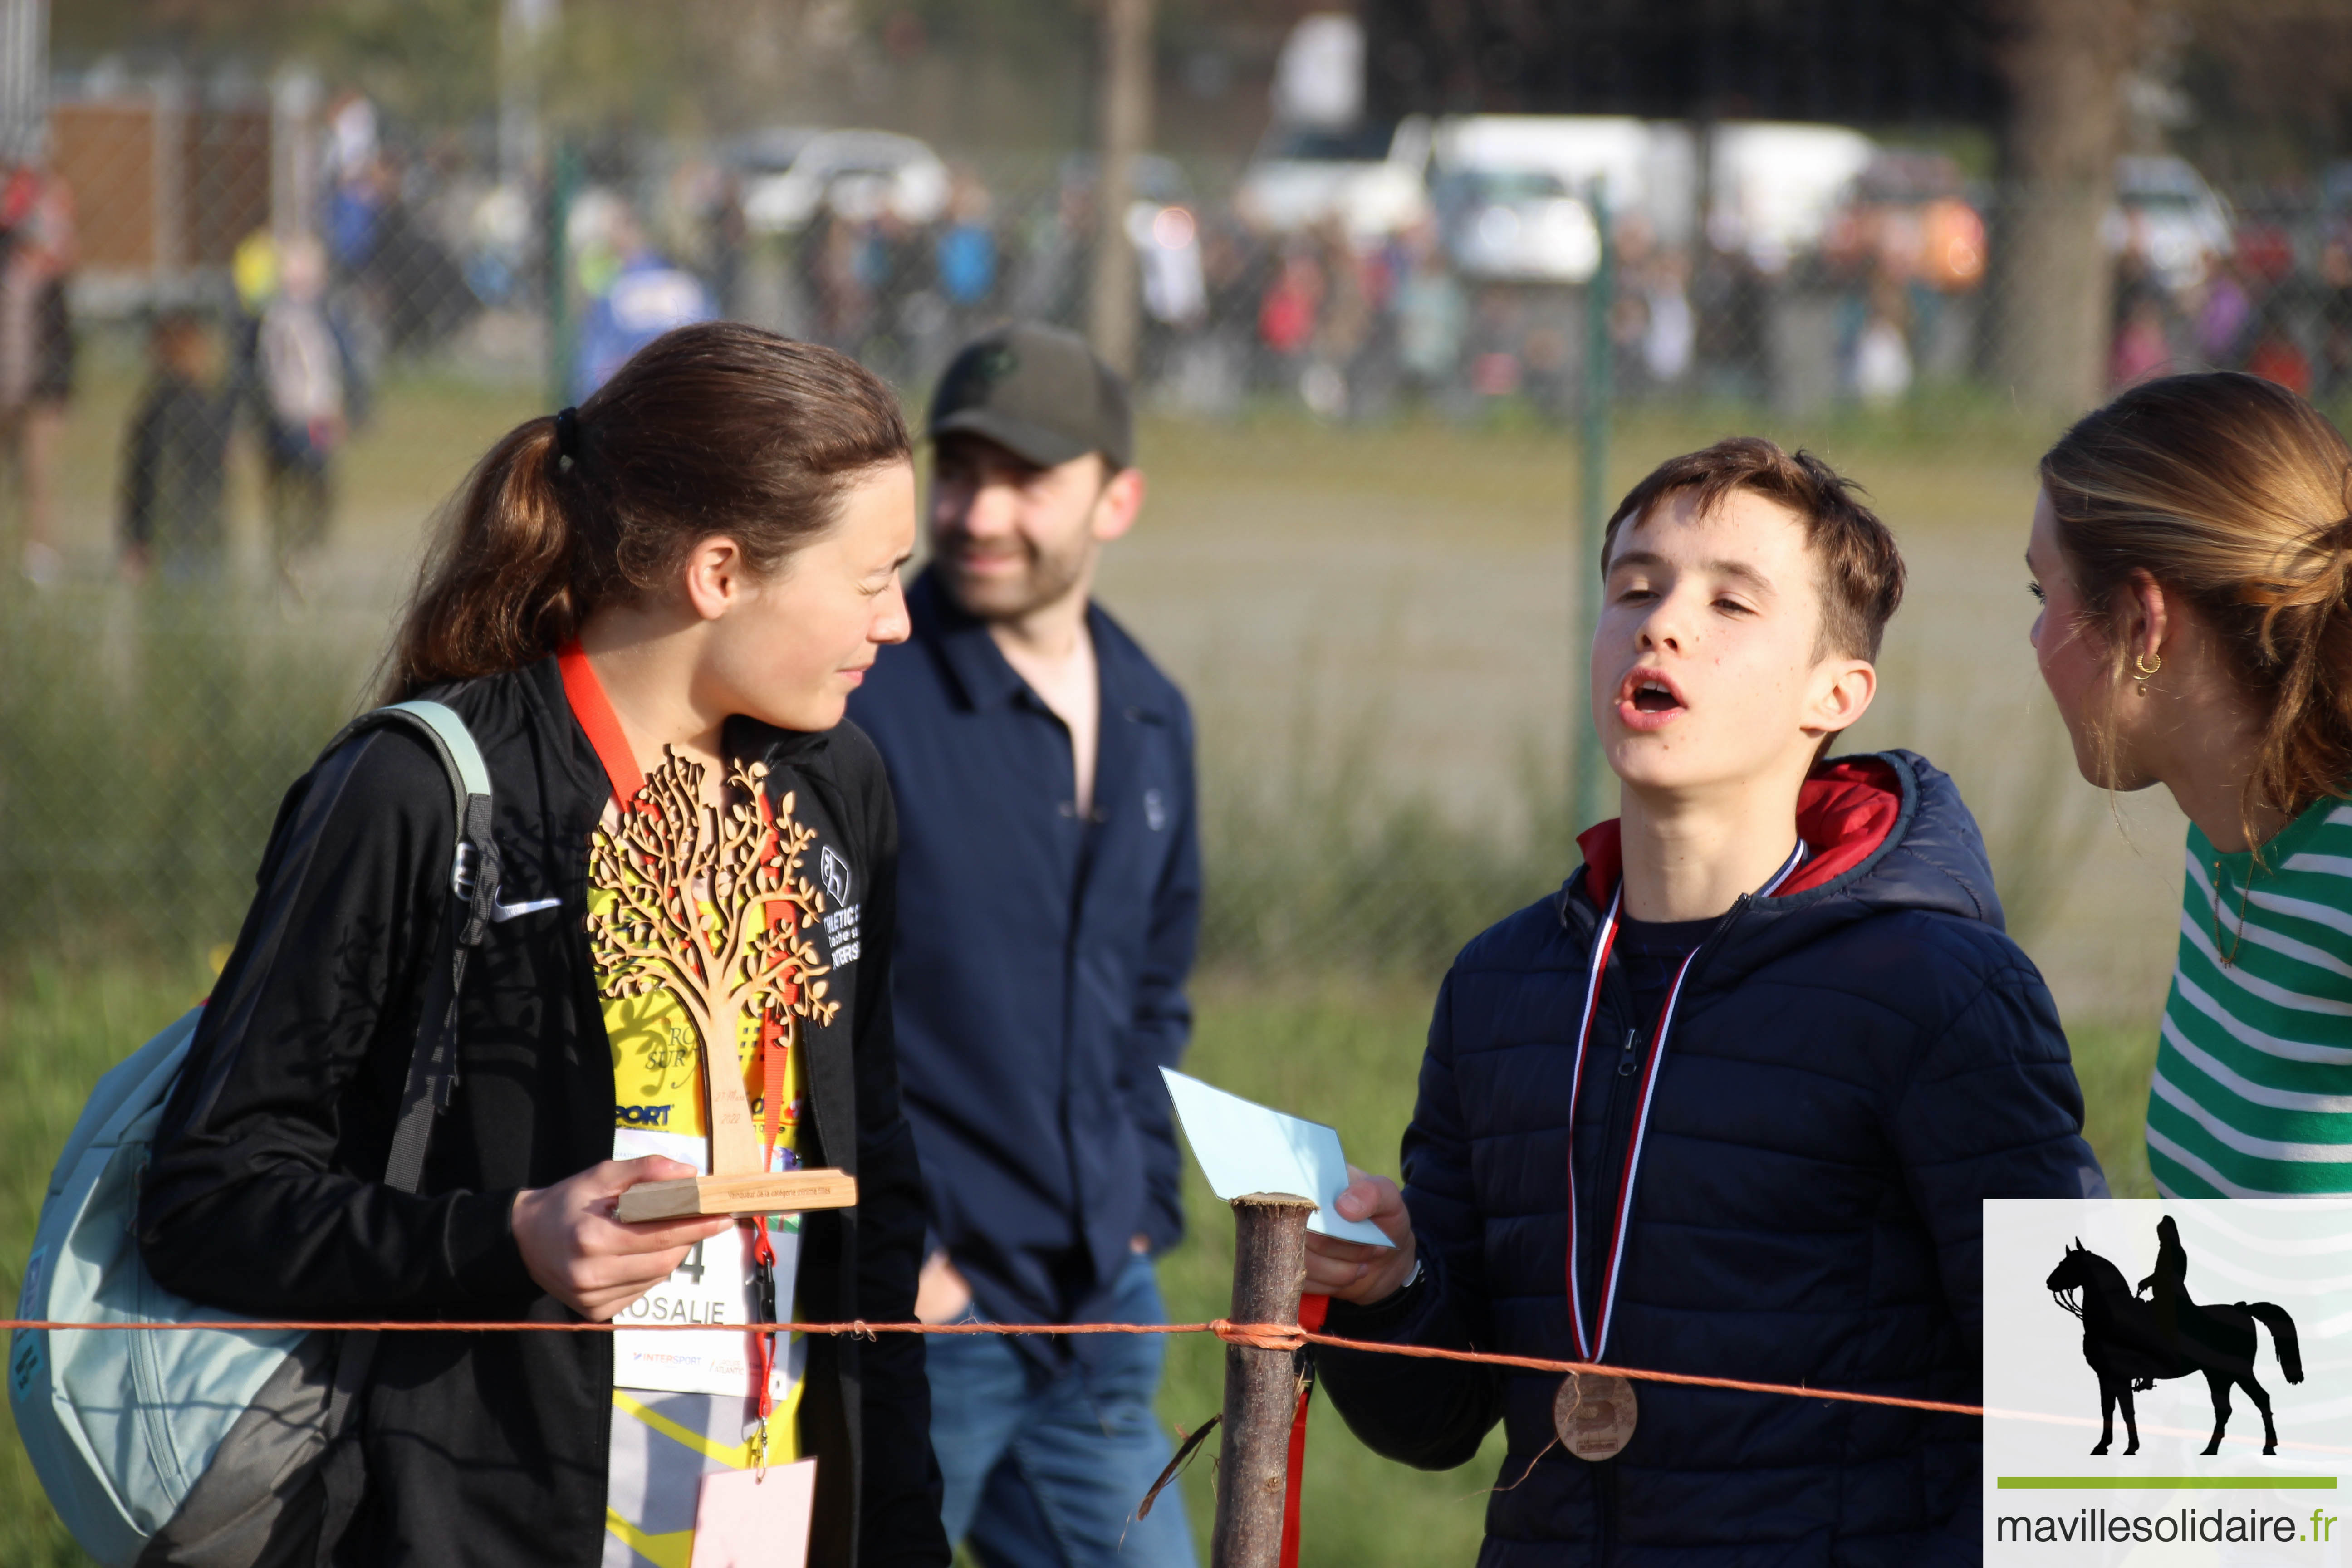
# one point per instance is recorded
(2133, 1338)
(2177, 1316)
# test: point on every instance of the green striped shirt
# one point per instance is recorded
(2252, 1095)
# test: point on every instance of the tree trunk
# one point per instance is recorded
(1112, 310)
(2066, 61)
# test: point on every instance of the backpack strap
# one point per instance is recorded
(473, 887)
(432, 1078)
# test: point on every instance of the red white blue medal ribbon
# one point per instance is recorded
(1593, 1346)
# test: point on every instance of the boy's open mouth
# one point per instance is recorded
(1647, 700)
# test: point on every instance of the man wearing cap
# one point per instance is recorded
(1049, 892)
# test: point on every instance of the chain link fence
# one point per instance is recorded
(1460, 268)
(248, 332)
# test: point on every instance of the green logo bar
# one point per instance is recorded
(2168, 1483)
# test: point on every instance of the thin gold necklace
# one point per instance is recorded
(2245, 892)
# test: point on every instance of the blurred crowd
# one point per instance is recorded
(2261, 305)
(287, 355)
(1461, 289)
(37, 351)
(1890, 293)
(898, 270)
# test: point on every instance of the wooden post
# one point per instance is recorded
(1112, 307)
(1260, 1388)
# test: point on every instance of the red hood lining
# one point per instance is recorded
(1844, 813)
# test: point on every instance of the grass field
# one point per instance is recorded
(1374, 627)
(1349, 1052)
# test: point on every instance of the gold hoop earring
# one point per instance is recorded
(2146, 665)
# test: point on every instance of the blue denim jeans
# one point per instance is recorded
(1044, 1470)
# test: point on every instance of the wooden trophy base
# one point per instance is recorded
(784, 1192)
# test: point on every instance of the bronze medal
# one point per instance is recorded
(1594, 1415)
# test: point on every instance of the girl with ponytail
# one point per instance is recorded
(649, 611)
(2192, 551)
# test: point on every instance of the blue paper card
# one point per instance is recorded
(1244, 1147)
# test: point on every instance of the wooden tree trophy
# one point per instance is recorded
(710, 906)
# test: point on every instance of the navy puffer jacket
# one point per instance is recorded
(1855, 1064)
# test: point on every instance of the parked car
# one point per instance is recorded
(860, 174)
(1777, 186)
(1521, 225)
(1641, 164)
(1513, 192)
(1371, 177)
(2166, 214)
(769, 151)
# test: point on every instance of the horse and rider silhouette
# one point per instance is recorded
(2131, 1343)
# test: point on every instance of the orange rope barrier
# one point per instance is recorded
(1637, 1375)
(1257, 1336)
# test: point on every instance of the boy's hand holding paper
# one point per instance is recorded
(1360, 1244)
(1353, 1272)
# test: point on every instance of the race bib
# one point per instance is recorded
(713, 1288)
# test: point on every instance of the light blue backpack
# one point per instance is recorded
(214, 1447)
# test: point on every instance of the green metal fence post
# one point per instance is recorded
(562, 188)
(1590, 778)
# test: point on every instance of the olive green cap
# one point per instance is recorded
(1039, 393)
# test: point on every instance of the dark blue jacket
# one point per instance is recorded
(1040, 960)
(1854, 1067)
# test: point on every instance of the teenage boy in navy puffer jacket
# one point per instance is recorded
(1766, 1131)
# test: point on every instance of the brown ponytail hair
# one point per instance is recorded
(2236, 495)
(718, 428)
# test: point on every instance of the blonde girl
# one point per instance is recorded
(2192, 551)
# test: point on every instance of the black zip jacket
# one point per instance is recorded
(266, 1196)
(1854, 1065)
